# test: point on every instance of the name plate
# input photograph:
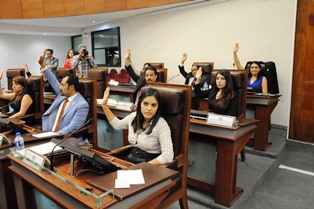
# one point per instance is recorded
(33, 159)
(222, 120)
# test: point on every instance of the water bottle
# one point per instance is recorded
(205, 86)
(18, 141)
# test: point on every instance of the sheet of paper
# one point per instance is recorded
(46, 134)
(45, 148)
(122, 183)
(133, 176)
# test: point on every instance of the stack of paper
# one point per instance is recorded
(46, 148)
(127, 177)
(223, 120)
(125, 105)
(110, 102)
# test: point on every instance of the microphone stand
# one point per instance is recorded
(3, 107)
(62, 140)
(173, 77)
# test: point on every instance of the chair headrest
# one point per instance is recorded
(99, 74)
(172, 99)
(86, 88)
(15, 72)
(238, 79)
(34, 84)
(61, 72)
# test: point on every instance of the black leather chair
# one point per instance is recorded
(88, 89)
(268, 69)
(11, 73)
(36, 85)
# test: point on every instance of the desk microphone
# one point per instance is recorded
(173, 77)
(62, 140)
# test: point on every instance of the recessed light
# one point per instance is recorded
(44, 34)
(94, 21)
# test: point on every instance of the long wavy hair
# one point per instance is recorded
(227, 92)
(138, 121)
(23, 82)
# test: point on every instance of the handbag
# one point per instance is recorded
(138, 155)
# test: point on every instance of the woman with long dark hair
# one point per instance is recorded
(148, 132)
(20, 100)
(256, 81)
(222, 99)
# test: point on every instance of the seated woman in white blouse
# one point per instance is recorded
(148, 132)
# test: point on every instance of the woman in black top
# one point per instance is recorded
(222, 98)
(20, 100)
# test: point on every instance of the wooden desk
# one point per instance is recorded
(229, 142)
(7, 190)
(26, 179)
(263, 107)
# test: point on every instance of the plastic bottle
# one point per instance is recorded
(18, 141)
(205, 86)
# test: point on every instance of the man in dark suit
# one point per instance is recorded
(150, 74)
(190, 79)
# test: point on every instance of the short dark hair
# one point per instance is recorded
(50, 50)
(73, 80)
(147, 63)
(150, 68)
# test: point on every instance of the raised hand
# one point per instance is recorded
(1, 73)
(26, 67)
(106, 96)
(236, 47)
(128, 55)
(199, 73)
(184, 57)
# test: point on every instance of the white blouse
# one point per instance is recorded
(158, 141)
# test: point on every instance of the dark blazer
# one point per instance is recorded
(140, 80)
(232, 108)
(189, 75)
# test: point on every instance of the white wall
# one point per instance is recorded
(19, 49)
(264, 28)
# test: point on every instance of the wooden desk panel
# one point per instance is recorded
(263, 107)
(229, 142)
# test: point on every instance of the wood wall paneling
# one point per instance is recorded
(302, 104)
(53, 8)
(95, 6)
(19, 9)
(117, 5)
(11, 10)
(136, 4)
(32, 8)
(178, 1)
(72, 8)
(152, 3)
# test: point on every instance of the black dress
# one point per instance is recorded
(232, 108)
